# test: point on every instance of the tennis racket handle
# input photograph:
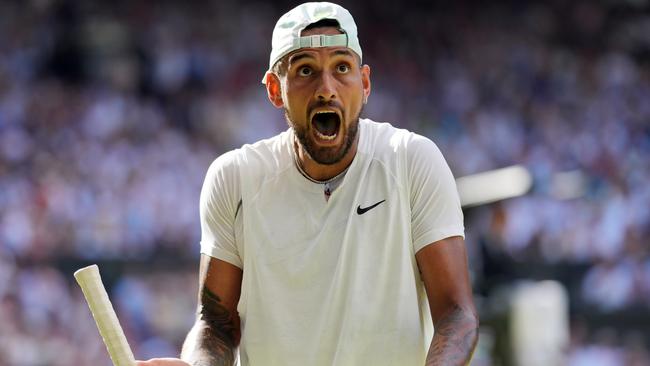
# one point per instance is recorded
(108, 325)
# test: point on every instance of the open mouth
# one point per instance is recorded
(326, 125)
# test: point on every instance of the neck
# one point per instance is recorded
(321, 172)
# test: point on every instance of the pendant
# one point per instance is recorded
(327, 191)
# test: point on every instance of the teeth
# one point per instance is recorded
(324, 137)
(323, 112)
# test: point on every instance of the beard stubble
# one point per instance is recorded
(319, 154)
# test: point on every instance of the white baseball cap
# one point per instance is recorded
(286, 34)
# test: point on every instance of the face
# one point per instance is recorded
(322, 93)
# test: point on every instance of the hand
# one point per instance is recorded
(162, 362)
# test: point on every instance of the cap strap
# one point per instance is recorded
(321, 40)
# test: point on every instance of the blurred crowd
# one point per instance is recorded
(110, 113)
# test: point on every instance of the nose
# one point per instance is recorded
(326, 90)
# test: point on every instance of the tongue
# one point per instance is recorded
(326, 123)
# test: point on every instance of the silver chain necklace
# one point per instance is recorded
(328, 185)
(304, 174)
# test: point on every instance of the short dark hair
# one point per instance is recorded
(280, 67)
(324, 23)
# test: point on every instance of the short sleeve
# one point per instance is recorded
(219, 203)
(436, 213)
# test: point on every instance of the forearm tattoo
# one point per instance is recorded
(219, 338)
(454, 339)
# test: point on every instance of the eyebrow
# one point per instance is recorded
(343, 52)
(300, 56)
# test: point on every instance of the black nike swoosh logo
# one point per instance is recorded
(361, 211)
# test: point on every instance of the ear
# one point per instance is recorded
(365, 82)
(274, 90)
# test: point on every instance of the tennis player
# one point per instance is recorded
(338, 241)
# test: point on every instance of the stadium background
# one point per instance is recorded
(110, 113)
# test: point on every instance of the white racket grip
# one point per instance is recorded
(107, 323)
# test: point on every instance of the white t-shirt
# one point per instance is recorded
(331, 282)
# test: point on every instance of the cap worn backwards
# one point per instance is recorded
(286, 34)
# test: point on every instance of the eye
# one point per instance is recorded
(343, 68)
(305, 71)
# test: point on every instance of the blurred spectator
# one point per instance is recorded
(604, 352)
(110, 114)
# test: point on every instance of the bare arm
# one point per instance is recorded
(443, 266)
(215, 336)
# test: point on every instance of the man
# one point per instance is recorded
(337, 242)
